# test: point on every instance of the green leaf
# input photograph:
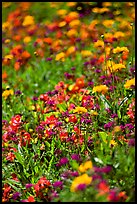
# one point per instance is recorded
(103, 136)
(19, 158)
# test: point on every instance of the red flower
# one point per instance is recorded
(72, 119)
(30, 199)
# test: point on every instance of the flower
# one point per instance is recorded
(120, 49)
(101, 88)
(63, 161)
(7, 93)
(80, 110)
(72, 33)
(28, 20)
(57, 184)
(117, 67)
(75, 157)
(86, 53)
(16, 195)
(29, 185)
(129, 83)
(60, 56)
(84, 167)
(83, 179)
(99, 43)
(74, 23)
(81, 187)
(117, 128)
(27, 39)
(108, 23)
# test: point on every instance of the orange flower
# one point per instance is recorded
(25, 55)
(4, 75)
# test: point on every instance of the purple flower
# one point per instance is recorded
(48, 58)
(131, 142)
(35, 98)
(16, 195)
(81, 187)
(102, 77)
(63, 161)
(97, 70)
(73, 68)
(74, 173)
(114, 115)
(40, 129)
(96, 176)
(129, 126)
(29, 185)
(18, 92)
(57, 184)
(75, 157)
(108, 125)
(106, 169)
(86, 63)
(90, 83)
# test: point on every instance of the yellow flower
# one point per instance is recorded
(117, 128)
(62, 23)
(103, 10)
(100, 88)
(72, 32)
(119, 34)
(71, 4)
(80, 110)
(60, 56)
(86, 53)
(74, 23)
(73, 15)
(99, 43)
(108, 35)
(71, 50)
(6, 25)
(106, 4)
(7, 41)
(27, 39)
(94, 113)
(28, 20)
(83, 179)
(108, 23)
(8, 57)
(112, 142)
(84, 167)
(7, 93)
(120, 49)
(62, 12)
(95, 10)
(117, 67)
(129, 83)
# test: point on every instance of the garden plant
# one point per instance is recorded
(68, 102)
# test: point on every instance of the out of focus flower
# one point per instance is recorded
(86, 53)
(60, 57)
(129, 83)
(108, 23)
(7, 93)
(120, 50)
(84, 167)
(83, 179)
(80, 110)
(27, 39)
(98, 44)
(100, 89)
(28, 20)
